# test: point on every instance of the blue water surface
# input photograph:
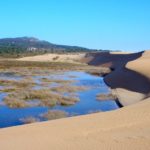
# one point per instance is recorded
(87, 104)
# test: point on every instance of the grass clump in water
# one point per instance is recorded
(24, 83)
(106, 97)
(102, 71)
(8, 89)
(45, 97)
(56, 81)
(68, 89)
(54, 114)
(13, 102)
(29, 120)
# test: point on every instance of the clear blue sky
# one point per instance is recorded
(102, 24)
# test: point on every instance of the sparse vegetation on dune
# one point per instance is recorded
(54, 114)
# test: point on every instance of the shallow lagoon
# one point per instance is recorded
(87, 103)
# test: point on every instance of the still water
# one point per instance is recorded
(87, 104)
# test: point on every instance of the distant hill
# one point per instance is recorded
(33, 45)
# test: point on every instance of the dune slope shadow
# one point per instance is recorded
(128, 79)
(111, 60)
(121, 77)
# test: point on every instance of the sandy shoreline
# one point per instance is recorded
(127, 128)
(123, 129)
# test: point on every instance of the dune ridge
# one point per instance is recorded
(130, 78)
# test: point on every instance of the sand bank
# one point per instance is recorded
(70, 58)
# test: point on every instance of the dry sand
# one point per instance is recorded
(141, 65)
(130, 80)
(125, 129)
(71, 58)
(135, 80)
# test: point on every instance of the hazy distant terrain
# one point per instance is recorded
(31, 45)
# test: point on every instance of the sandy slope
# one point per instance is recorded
(124, 129)
(72, 58)
(141, 65)
(130, 80)
(113, 59)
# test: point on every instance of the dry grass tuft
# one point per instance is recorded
(54, 114)
(5, 82)
(24, 83)
(101, 72)
(45, 96)
(13, 102)
(68, 89)
(29, 120)
(106, 97)
(9, 89)
(96, 111)
(57, 81)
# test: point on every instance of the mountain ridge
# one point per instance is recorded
(32, 44)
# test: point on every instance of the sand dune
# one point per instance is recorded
(113, 59)
(130, 80)
(71, 58)
(141, 65)
(124, 129)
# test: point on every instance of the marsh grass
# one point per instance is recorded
(43, 68)
(29, 120)
(31, 64)
(106, 97)
(8, 89)
(101, 72)
(45, 96)
(57, 81)
(24, 83)
(54, 114)
(13, 102)
(68, 89)
(5, 82)
(21, 91)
